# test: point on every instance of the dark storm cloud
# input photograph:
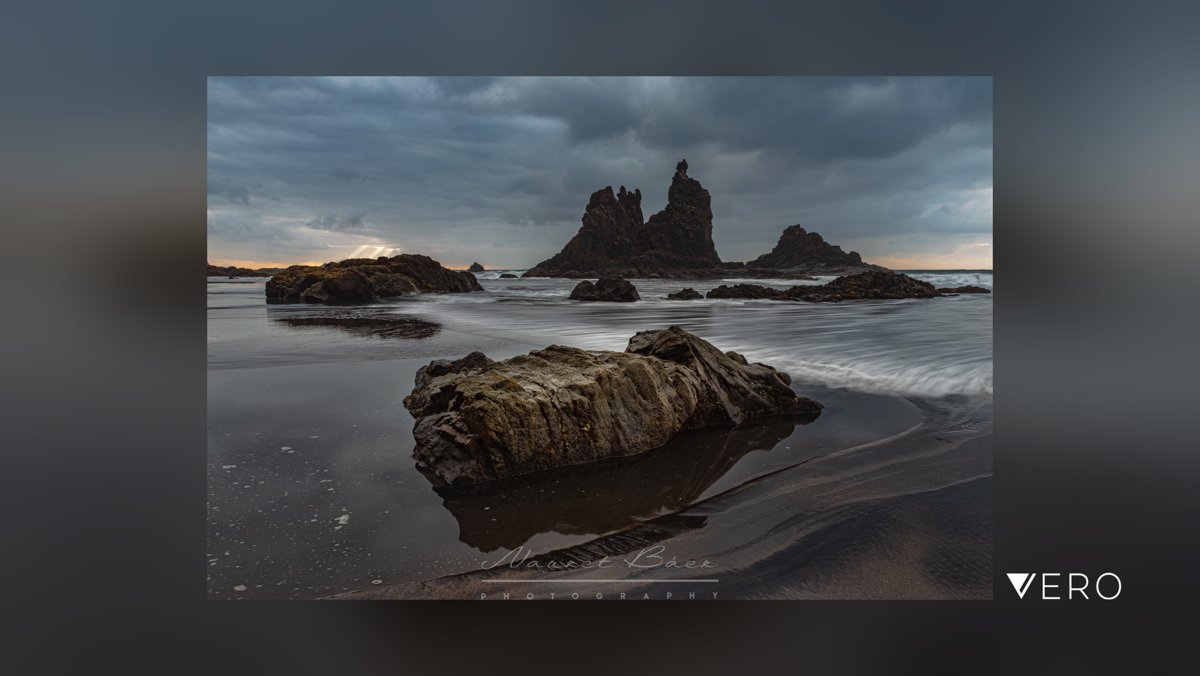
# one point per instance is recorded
(499, 169)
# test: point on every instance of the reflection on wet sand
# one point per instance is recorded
(364, 323)
(602, 497)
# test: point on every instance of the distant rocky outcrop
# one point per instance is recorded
(802, 252)
(361, 280)
(234, 271)
(508, 275)
(613, 240)
(610, 289)
(870, 285)
(479, 420)
(476, 267)
(685, 294)
(677, 242)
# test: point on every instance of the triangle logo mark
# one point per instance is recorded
(1021, 582)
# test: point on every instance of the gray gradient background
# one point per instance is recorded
(103, 146)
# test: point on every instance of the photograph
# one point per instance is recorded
(599, 338)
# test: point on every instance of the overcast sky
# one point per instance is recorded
(499, 170)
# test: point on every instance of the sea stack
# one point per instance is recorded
(476, 267)
(614, 242)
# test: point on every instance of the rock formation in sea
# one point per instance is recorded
(610, 289)
(970, 288)
(870, 285)
(476, 267)
(508, 275)
(685, 294)
(800, 252)
(677, 242)
(232, 271)
(613, 240)
(479, 420)
(361, 280)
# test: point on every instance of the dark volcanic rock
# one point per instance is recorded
(508, 275)
(748, 291)
(963, 289)
(685, 294)
(611, 289)
(873, 284)
(479, 421)
(613, 240)
(362, 324)
(232, 272)
(476, 267)
(800, 252)
(361, 280)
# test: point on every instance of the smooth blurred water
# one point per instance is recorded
(922, 347)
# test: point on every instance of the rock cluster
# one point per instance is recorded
(677, 242)
(613, 240)
(609, 289)
(479, 420)
(870, 285)
(361, 280)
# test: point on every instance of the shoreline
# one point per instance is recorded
(759, 534)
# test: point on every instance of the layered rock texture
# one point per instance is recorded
(610, 289)
(479, 420)
(361, 280)
(870, 285)
(614, 242)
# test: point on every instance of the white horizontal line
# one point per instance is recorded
(633, 580)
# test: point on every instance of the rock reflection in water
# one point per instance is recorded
(365, 324)
(605, 496)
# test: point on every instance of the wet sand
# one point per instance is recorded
(904, 518)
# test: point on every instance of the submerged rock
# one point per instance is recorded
(361, 280)
(610, 289)
(870, 285)
(508, 275)
(970, 288)
(476, 267)
(747, 291)
(479, 421)
(685, 294)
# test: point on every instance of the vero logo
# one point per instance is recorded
(1021, 582)
(1077, 584)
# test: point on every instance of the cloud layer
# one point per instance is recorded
(499, 169)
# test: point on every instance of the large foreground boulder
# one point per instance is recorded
(870, 285)
(479, 420)
(610, 289)
(361, 280)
